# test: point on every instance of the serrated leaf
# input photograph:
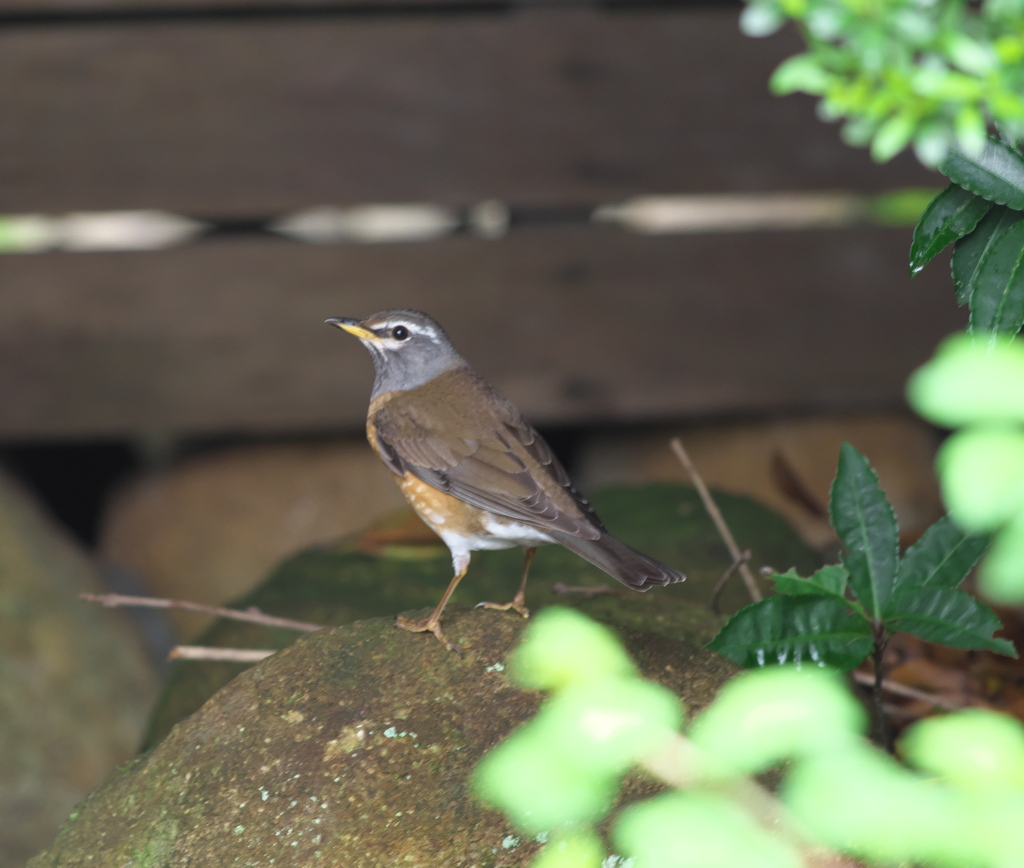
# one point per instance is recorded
(996, 174)
(947, 616)
(784, 629)
(827, 580)
(971, 249)
(951, 215)
(942, 557)
(866, 524)
(997, 303)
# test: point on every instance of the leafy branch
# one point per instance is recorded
(848, 611)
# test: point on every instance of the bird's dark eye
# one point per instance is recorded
(399, 333)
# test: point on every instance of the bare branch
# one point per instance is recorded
(868, 679)
(728, 574)
(229, 655)
(253, 615)
(716, 517)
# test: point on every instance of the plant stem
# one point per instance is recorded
(880, 724)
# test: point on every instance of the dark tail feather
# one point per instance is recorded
(632, 568)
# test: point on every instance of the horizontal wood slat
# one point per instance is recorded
(574, 324)
(555, 106)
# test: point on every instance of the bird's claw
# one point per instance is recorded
(427, 625)
(516, 603)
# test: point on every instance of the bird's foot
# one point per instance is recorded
(518, 603)
(427, 625)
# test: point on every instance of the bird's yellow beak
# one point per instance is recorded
(352, 327)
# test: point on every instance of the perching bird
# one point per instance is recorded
(471, 466)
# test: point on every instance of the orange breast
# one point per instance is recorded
(438, 510)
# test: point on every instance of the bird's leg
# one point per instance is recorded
(518, 602)
(433, 623)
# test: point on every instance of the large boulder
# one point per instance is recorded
(395, 566)
(352, 747)
(75, 684)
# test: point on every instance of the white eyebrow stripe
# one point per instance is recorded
(413, 327)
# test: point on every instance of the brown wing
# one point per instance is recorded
(460, 436)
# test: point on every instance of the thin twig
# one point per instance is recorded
(585, 591)
(229, 655)
(728, 574)
(253, 615)
(868, 680)
(716, 517)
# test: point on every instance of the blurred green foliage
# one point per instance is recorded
(930, 74)
(976, 383)
(558, 775)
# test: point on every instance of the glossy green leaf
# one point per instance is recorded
(698, 830)
(971, 250)
(948, 616)
(801, 629)
(607, 724)
(942, 557)
(997, 303)
(526, 778)
(975, 748)
(1001, 576)
(763, 717)
(996, 174)
(951, 215)
(562, 647)
(981, 471)
(971, 379)
(866, 524)
(577, 850)
(827, 580)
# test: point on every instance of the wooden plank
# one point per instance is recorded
(540, 107)
(575, 324)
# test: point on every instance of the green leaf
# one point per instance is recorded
(581, 849)
(606, 724)
(942, 557)
(763, 717)
(802, 72)
(971, 379)
(1000, 577)
(863, 802)
(951, 215)
(828, 580)
(761, 19)
(866, 524)
(997, 303)
(562, 647)
(698, 830)
(892, 137)
(527, 779)
(975, 748)
(996, 174)
(785, 629)
(971, 250)
(947, 616)
(981, 470)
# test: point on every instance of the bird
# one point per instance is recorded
(474, 470)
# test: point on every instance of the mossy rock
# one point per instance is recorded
(354, 746)
(399, 565)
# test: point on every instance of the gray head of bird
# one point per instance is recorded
(408, 348)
